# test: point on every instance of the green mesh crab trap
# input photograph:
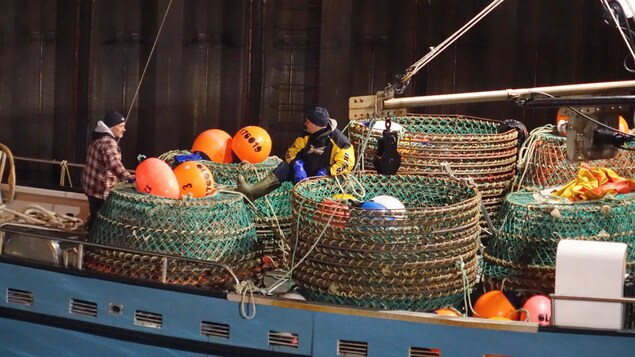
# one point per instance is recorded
(543, 161)
(216, 228)
(522, 253)
(471, 147)
(273, 218)
(273, 212)
(419, 258)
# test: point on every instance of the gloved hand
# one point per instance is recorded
(322, 172)
(299, 173)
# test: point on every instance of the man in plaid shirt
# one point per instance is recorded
(103, 162)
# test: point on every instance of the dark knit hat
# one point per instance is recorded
(113, 119)
(318, 116)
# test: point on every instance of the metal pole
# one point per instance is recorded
(504, 94)
(41, 161)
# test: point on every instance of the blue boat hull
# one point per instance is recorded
(50, 326)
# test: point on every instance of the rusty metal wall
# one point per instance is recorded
(226, 64)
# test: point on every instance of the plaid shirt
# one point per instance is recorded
(103, 167)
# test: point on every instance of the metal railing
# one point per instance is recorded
(77, 245)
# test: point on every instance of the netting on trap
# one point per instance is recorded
(216, 228)
(273, 218)
(419, 258)
(471, 147)
(150, 267)
(543, 161)
(273, 212)
(522, 253)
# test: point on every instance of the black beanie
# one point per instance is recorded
(113, 119)
(318, 116)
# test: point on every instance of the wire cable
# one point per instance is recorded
(145, 68)
(435, 51)
(606, 5)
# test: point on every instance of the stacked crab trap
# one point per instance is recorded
(217, 228)
(543, 161)
(273, 216)
(469, 147)
(521, 255)
(420, 257)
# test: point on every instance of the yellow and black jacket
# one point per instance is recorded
(328, 148)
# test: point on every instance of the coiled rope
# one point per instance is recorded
(39, 215)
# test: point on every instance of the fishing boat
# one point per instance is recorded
(57, 304)
(59, 301)
(53, 306)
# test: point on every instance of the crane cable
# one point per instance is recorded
(404, 79)
(145, 68)
(628, 43)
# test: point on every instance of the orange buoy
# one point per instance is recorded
(194, 178)
(214, 143)
(154, 176)
(622, 125)
(252, 144)
(561, 122)
(495, 303)
(448, 311)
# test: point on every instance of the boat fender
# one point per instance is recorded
(293, 293)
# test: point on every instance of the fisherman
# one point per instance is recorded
(321, 150)
(103, 167)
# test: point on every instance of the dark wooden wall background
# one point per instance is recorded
(230, 63)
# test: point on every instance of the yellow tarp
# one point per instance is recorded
(593, 183)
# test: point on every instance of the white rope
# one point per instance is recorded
(287, 275)
(244, 288)
(36, 214)
(65, 173)
(527, 152)
(445, 167)
(352, 186)
(362, 147)
(467, 301)
(7, 157)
